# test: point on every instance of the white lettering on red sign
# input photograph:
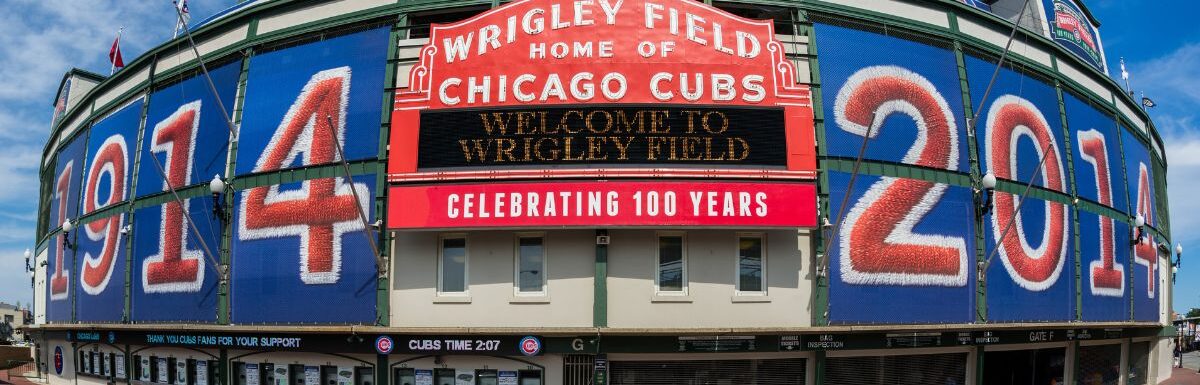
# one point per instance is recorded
(595, 203)
(630, 51)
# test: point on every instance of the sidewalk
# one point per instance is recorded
(1183, 376)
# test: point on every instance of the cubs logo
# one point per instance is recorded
(530, 346)
(58, 360)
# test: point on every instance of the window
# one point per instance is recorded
(486, 377)
(239, 371)
(452, 265)
(404, 376)
(531, 264)
(8, 318)
(529, 377)
(751, 264)
(671, 264)
(364, 376)
(443, 377)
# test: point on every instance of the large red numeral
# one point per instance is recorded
(175, 268)
(1009, 118)
(1145, 253)
(878, 245)
(306, 132)
(109, 159)
(60, 278)
(1107, 276)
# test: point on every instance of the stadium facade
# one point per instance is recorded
(607, 192)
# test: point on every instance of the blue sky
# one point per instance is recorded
(42, 39)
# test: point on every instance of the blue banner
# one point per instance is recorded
(186, 131)
(294, 95)
(107, 182)
(64, 205)
(903, 252)
(1094, 133)
(1140, 178)
(1104, 258)
(1071, 28)
(1030, 274)
(174, 279)
(1020, 118)
(978, 4)
(300, 253)
(903, 95)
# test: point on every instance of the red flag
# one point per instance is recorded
(114, 54)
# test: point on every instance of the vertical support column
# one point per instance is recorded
(979, 354)
(600, 283)
(224, 377)
(1071, 367)
(976, 173)
(1124, 377)
(819, 368)
(127, 317)
(381, 369)
(820, 261)
(1070, 161)
(223, 305)
(383, 304)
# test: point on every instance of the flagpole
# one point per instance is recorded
(112, 63)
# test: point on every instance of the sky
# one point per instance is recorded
(42, 39)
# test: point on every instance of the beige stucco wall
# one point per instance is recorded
(68, 371)
(711, 269)
(569, 263)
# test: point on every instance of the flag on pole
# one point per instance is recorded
(1125, 76)
(183, 16)
(114, 53)
(1146, 102)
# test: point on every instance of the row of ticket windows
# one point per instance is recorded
(148, 369)
(299, 374)
(173, 371)
(450, 376)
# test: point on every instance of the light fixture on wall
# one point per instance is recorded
(1139, 230)
(1178, 255)
(66, 229)
(217, 187)
(983, 194)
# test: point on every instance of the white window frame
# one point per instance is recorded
(517, 265)
(683, 265)
(466, 265)
(737, 264)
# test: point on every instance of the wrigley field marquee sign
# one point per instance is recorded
(602, 82)
(602, 89)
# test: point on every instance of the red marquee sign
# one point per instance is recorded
(603, 204)
(534, 53)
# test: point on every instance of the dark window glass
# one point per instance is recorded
(750, 264)
(532, 256)
(670, 263)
